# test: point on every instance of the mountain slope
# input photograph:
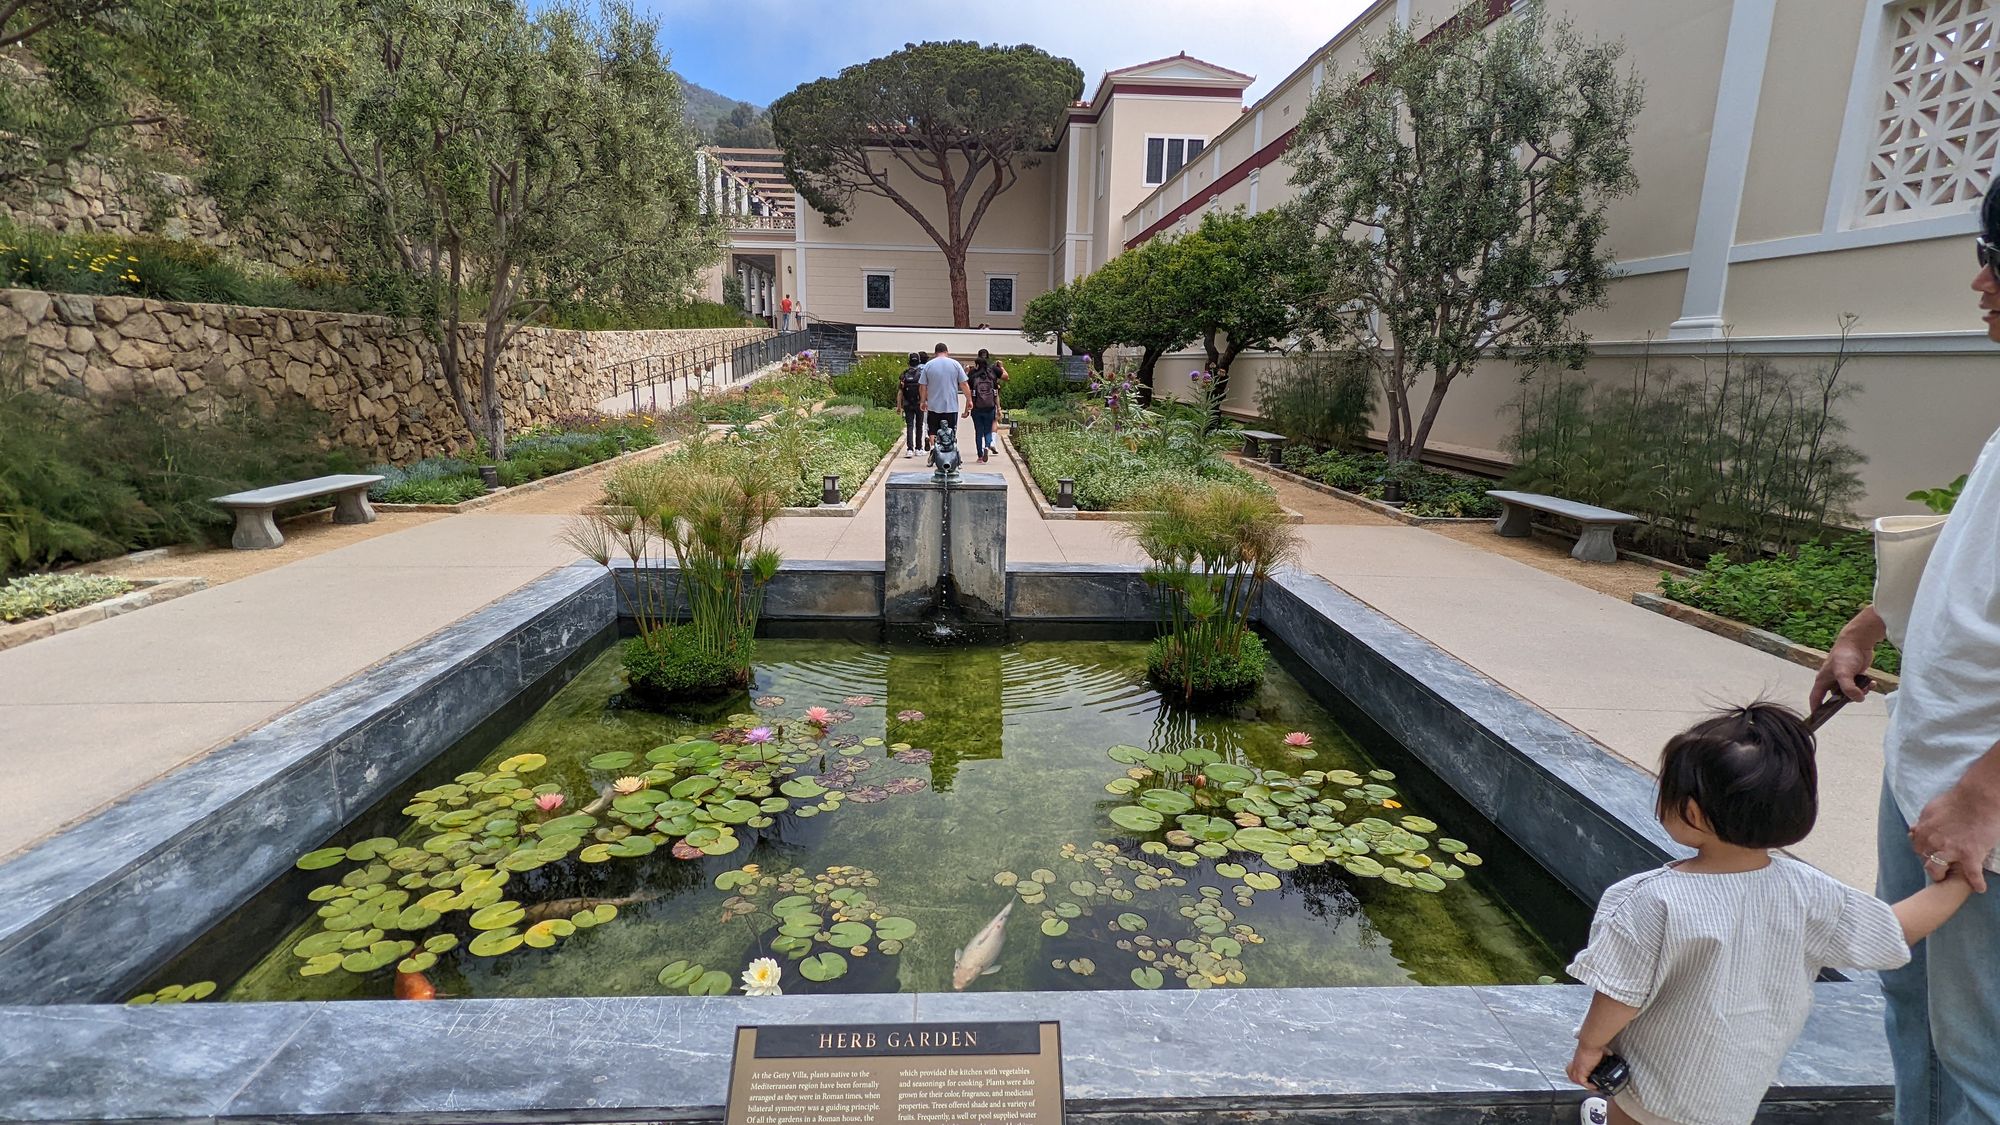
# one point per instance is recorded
(705, 107)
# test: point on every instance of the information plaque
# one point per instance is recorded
(897, 1074)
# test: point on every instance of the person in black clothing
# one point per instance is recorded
(910, 396)
(984, 381)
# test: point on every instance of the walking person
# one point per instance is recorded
(786, 321)
(984, 383)
(1940, 812)
(910, 396)
(945, 395)
(1703, 969)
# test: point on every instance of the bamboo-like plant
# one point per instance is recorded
(712, 523)
(1212, 549)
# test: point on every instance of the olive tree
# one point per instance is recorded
(963, 119)
(1456, 189)
(504, 161)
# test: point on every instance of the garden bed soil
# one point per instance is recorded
(1049, 511)
(852, 507)
(1763, 640)
(147, 591)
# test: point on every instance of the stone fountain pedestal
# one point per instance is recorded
(913, 546)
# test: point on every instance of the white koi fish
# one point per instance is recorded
(981, 955)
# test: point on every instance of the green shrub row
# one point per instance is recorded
(38, 595)
(799, 449)
(1427, 492)
(1804, 597)
(876, 378)
(167, 269)
(1110, 473)
(573, 441)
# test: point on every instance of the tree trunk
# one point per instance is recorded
(495, 419)
(1148, 359)
(961, 301)
(1222, 367)
(1440, 383)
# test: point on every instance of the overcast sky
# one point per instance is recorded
(756, 50)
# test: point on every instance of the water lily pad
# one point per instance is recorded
(1227, 773)
(1261, 881)
(1054, 927)
(1121, 785)
(823, 967)
(497, 916)
(714, 982)
(1127, 755)
(615, 760)
(323, 942)
(523, 763)
(320, 965)
(566, 825)
(801, 787)
(1229, 870)
(1362, 865)
(1450, 846)
(1145, 976)
(895, 929)
(1224, 946)
(440, 943)
(1425, 881)
(1469, 859)
(1261, 840)
(730, 880)
(1133, 923)
(1028, 887)
(849, 934)
(680, 974)
(1419, 824)
(325, 857)
(1136, 818)
(1167, 801)
(371, 848)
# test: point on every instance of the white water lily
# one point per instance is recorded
(761, 978)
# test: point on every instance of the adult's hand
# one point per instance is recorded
(1850, 656)
(1582, 1063)
(1961, 827)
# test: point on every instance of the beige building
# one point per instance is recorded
(1798, 160)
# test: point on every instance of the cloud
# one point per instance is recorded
(759, 49)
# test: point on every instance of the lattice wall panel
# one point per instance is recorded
(1937, 138)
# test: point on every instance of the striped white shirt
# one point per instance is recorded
(1721, 969)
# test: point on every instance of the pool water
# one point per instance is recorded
(943, 787)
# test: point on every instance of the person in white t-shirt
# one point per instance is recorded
(1940, 809)
(1703, 969)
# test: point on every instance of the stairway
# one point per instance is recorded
(834, 344)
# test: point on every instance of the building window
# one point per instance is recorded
(1937, 111)
(1000, 293)
(1165, 155)
(878, 291)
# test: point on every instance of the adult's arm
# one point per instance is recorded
(964, 397)
(1961, 827)
(1850, 656)
(923, 393)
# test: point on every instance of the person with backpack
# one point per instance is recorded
(910, 396)
(984, 382)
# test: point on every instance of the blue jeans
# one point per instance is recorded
(1944, 1006)
(982, 429)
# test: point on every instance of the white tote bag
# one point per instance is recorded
(1902, 548)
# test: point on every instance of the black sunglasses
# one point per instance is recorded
(1987, 253)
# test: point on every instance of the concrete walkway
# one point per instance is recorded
(89, 715)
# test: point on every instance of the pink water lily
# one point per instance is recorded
(1298, 738)
(549, 802)
(757, 734)
(819, 715)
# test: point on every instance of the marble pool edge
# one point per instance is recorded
(1348, 1053)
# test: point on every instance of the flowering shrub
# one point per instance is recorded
(1118, 392)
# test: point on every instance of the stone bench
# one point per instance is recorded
(1594, 545)
(256, 530)
(1253, 438)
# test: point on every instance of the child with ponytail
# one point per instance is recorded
(1703, 969)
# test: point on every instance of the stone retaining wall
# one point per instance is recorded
(373, 376)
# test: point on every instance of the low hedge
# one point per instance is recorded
(1805, 597)
(576, 440)
(39, 595)
(1029, 377)
(1109, 473)
(1428, 493)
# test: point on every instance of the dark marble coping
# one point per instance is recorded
(1284, 1053)
(966, 482)
(94, 907)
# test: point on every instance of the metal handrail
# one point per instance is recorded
(698, 369)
